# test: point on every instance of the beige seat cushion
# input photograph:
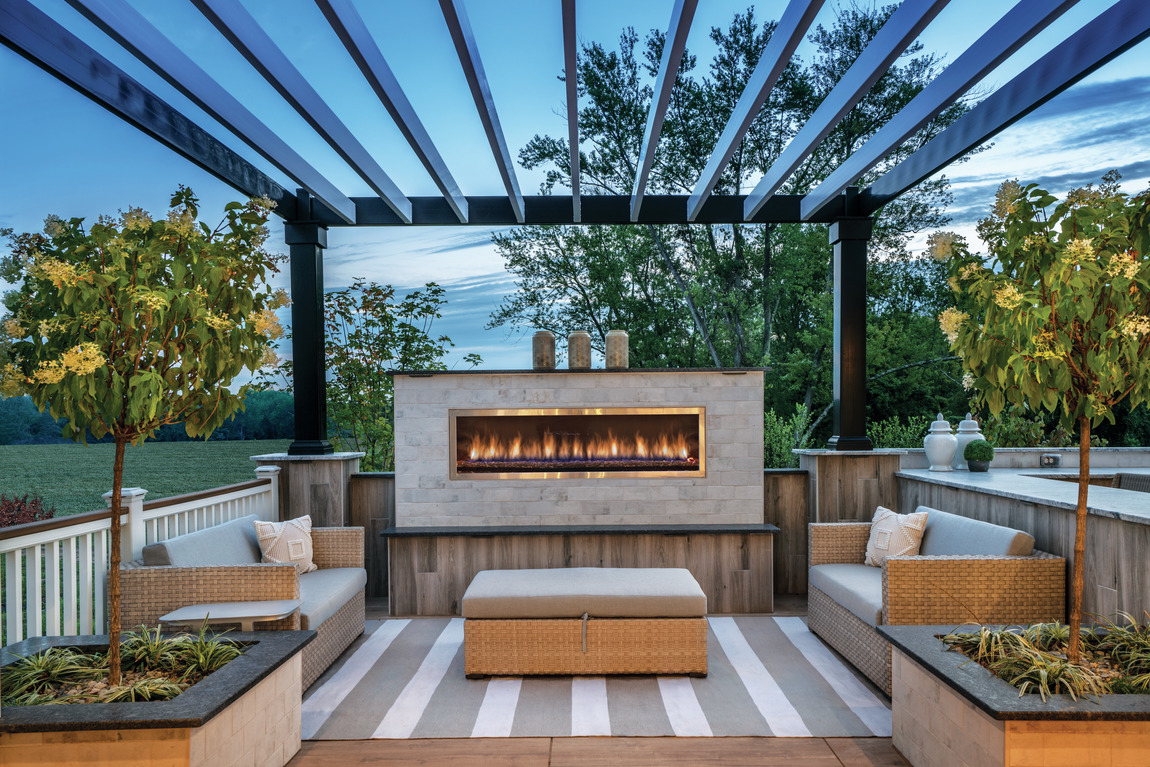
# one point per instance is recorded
(857, 588)
(287, 543)
(894, 535)
(601, 592)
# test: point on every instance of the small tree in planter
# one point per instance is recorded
(1058, 316)
(134, 324)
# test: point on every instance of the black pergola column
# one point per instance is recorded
(849, 237)
(306, 241)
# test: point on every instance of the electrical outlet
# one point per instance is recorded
(1051, 460)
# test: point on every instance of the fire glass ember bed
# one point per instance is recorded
(578, 442)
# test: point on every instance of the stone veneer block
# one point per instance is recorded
(730, 493)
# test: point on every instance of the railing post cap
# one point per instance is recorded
(273, 470)
(126, 493)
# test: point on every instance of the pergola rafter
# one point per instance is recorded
(319, 205)
(673, 46)
(1019, 25)
(361, 46)
(125, 25)
(37, 37)
(237, 25)
(899, 31)
(793, 24)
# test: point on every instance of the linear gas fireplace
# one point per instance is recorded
(559, 443)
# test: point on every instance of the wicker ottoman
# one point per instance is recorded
(585, 620)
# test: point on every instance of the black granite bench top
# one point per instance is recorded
(265, 652)
(492, 531)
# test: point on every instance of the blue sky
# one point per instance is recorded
(60, 153)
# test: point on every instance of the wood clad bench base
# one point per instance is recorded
(529, 646)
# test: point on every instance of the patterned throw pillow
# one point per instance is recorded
(287, 543)
(893, 535)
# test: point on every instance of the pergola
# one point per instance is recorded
(317, 205)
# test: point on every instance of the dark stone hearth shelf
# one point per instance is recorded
(553, 371)
(192, 708)
(999, 699)
(421, 532)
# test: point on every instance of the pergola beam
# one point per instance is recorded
(32, 34)
(899, 31)
(361, 46)
(570, 76)
(138, 36)
(468, 50)
(246, 36)
(795, 22)
(1113, 32)
(673, 46)
(557, 209)
(1020, 24)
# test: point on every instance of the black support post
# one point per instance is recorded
(306, 241)
(849, 237)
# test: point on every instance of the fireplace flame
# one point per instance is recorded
(574, 447)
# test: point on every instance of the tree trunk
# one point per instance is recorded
(1079, 537)
(114, 565)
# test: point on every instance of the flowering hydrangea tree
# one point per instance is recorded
(1058, 316)
(133, 324)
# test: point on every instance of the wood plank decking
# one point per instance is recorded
(604, 752)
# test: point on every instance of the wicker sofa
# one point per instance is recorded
(967, 570)
(222, 564)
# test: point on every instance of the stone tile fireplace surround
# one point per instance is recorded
(729, 491)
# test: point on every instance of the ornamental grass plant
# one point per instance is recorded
(155, 667)
(1115, 657)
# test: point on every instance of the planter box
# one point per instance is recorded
(948, 711)
(247, 713)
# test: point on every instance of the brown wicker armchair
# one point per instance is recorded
(148, 592)
(929, 590)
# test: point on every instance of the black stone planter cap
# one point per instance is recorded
(997, 698)
(265, 652)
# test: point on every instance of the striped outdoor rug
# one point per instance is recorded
(767, 676)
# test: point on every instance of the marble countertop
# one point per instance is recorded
(1040, 485)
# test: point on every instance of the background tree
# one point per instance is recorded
(134, 324)
(742, 294)
(1058, 317)
(369, 333)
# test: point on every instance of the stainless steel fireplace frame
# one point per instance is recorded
(454, 414)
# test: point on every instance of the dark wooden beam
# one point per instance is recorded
(596, 209)
(239, 28)
(1020, 24)
(35, 36)
(899, 31)
(138, 36)
(570, 74)
(673, 46)
(1113, 32)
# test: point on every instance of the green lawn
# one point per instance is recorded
(73, 477)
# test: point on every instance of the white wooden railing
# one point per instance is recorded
(54, 576)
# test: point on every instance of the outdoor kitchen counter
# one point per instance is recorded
(1041, 486)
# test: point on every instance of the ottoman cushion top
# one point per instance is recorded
(601, 592)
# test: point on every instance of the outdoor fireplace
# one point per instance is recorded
(558, 443)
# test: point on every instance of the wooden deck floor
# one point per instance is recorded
(604, 752)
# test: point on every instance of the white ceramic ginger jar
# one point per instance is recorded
(967, 433)
(940, 445)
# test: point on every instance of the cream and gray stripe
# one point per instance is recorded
(767, 676)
